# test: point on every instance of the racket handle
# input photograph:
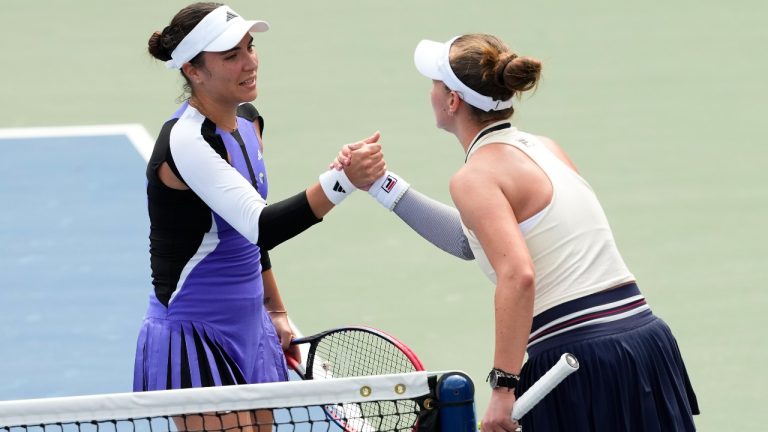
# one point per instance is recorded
(296, 366)
(567, 365)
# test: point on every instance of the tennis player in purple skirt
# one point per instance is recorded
(537, 230)
(207, 324)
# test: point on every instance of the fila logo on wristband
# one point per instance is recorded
(337, 188)
(389, 184)
(388, 189)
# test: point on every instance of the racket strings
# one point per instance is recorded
(375, 416)
(357, 353)
(351, 353)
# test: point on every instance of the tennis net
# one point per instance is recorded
(422, 401)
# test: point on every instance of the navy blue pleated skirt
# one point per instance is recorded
(631, 375)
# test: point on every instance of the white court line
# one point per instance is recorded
(137, 134)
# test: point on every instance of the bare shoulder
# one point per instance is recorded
(461, 179)
(467, 179)
(555, 148)
(169, 178)
(257, 128)
(491, 164)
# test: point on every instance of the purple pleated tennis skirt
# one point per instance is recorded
(207, 342)
(631, 375)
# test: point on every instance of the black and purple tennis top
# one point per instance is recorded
(206, 324)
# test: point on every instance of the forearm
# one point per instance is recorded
(318, 201)
(434, 221)
(273, 302)
(334, 187)
(278, 314)
(285, 219)
(513, 308)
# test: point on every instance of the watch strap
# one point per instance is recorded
(503, 379)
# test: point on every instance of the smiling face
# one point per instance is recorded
(228, 77)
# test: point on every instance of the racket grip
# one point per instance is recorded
(567, 365)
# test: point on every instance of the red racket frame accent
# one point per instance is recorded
(414, 359)
(297, 366)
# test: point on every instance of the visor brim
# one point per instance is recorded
(232, 36)
(427, 58)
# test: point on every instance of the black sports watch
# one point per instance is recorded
(498, 378)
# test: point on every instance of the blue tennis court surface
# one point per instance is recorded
(74, 261)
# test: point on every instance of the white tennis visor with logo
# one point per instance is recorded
(218, 31)
(433, 61)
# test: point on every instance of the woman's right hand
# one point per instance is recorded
(365, 162)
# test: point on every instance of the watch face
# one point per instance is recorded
(494, 379)
(499, 379)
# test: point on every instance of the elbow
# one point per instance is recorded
(520, 280)
(515, 292)
(265, 242)
(466, 249)
(263, 245)
(467, 255)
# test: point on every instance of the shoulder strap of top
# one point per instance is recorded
(250, 113)
(490, 129)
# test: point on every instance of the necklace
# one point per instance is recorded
(196, 105)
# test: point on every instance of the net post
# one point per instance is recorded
(456, 396)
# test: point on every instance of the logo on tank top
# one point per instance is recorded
(524, 142)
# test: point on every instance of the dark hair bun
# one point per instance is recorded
(517, 73)
(157, 48)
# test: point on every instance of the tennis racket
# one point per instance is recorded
(359, 351)
(354, 351)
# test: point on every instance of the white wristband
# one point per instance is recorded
(336, 185)
(388, 189)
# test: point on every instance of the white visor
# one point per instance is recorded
(432, 61)
(218, 31)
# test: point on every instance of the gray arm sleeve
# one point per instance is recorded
(438, 223)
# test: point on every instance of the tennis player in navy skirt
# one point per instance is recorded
(537, 230)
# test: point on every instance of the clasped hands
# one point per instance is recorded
(362, 161)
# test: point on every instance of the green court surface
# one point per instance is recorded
(659, 103)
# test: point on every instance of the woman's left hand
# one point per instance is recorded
(285, 333)
(365, 163)
(344, 158)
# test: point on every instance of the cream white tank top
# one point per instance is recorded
(570, 241)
